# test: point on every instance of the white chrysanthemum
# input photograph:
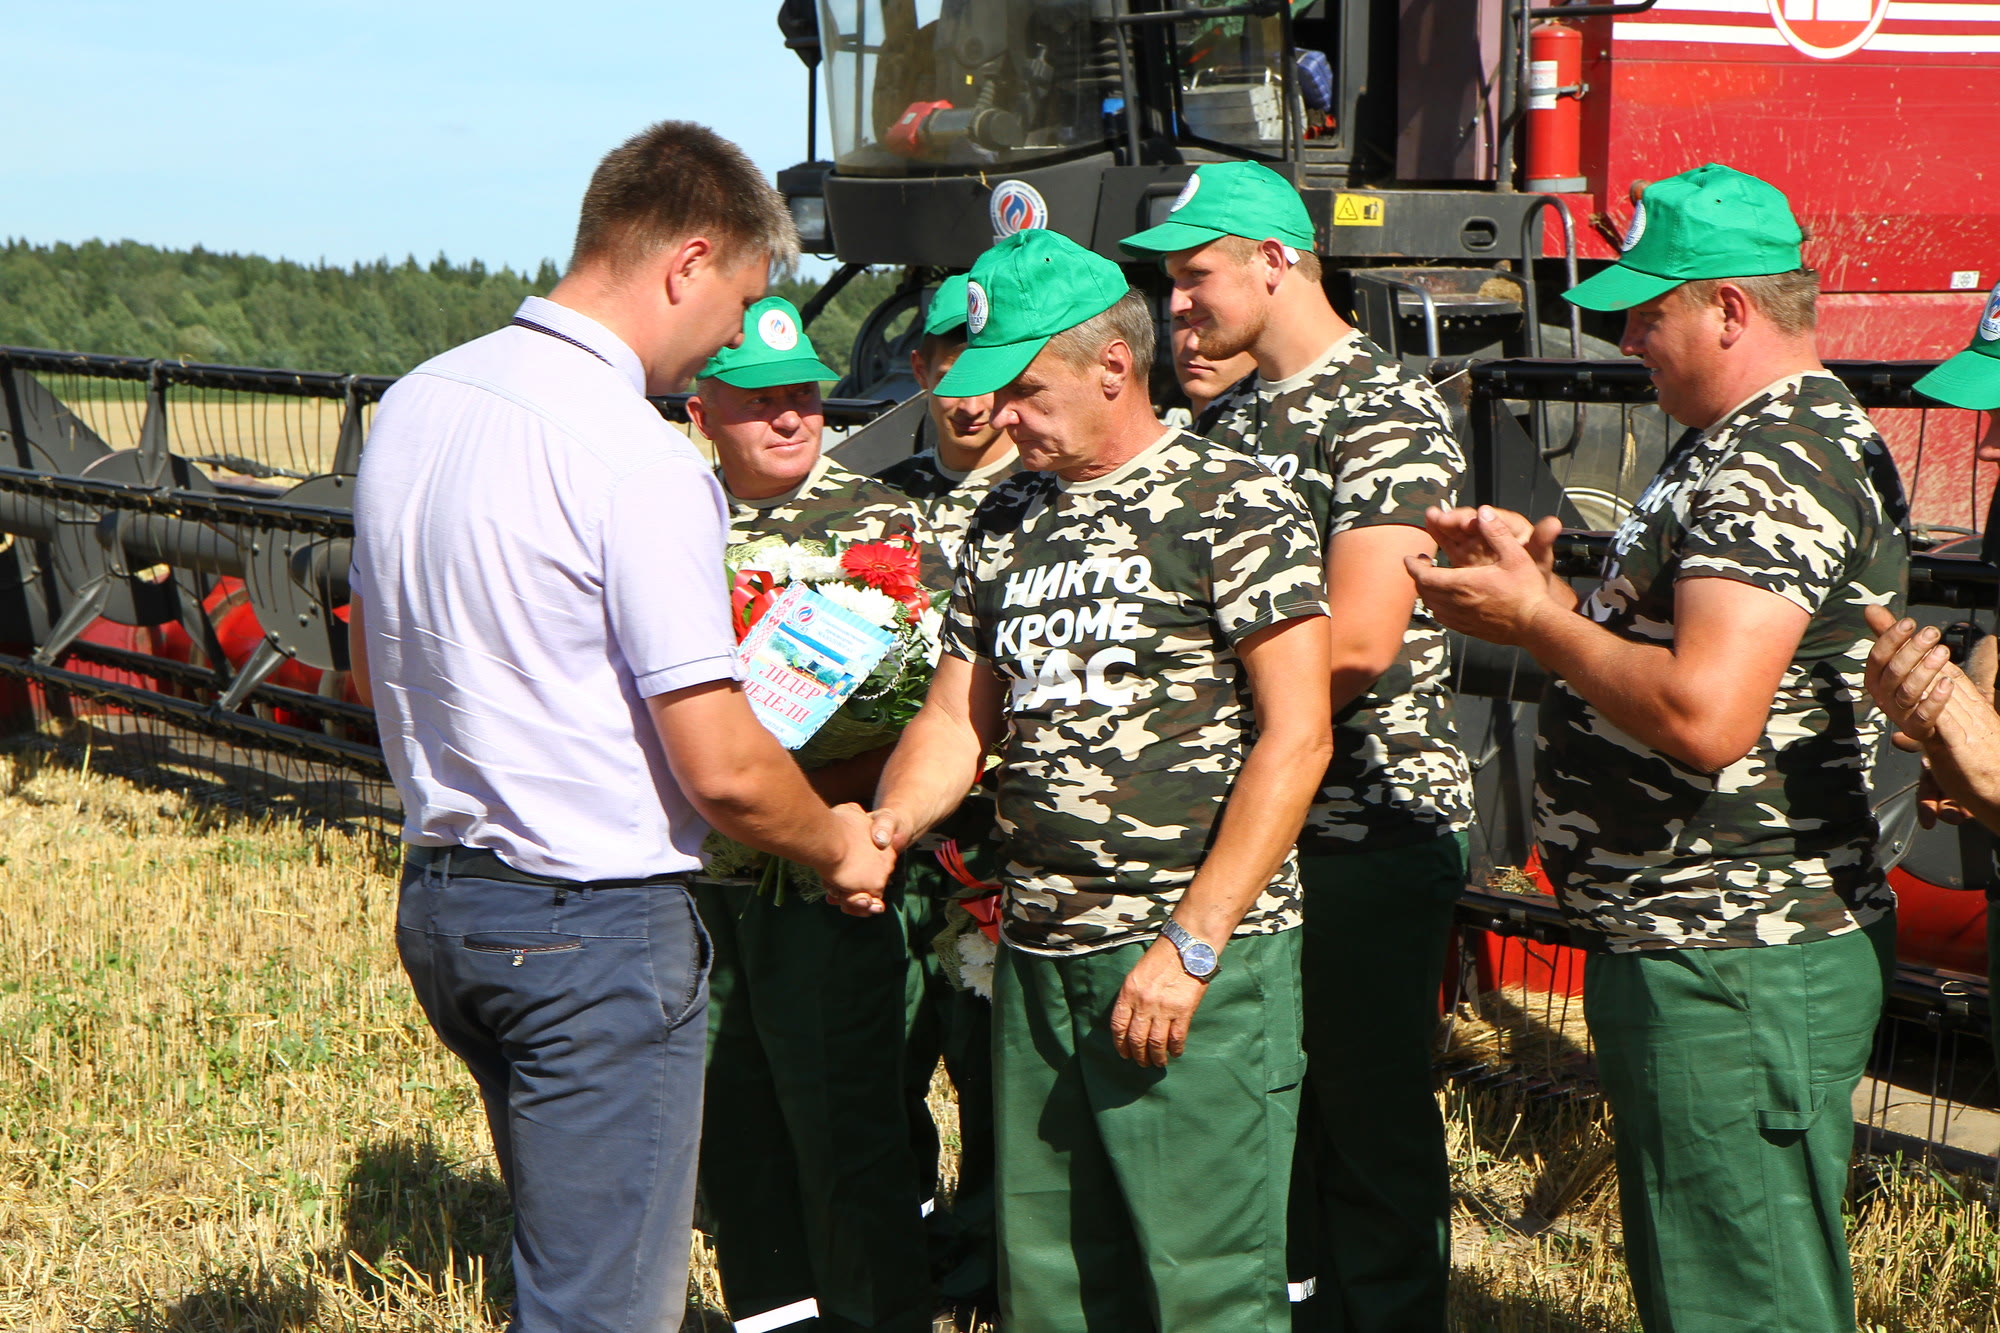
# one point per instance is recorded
(872, 605)
(781, 562)
(817, 568)
(976, 957)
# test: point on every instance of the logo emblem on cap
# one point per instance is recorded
(975, 308)
(1186, 194)
(1016, 206)
(1636, 227)
(778, 331)
(1989, 323)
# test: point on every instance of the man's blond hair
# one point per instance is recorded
(1788, 300)
(1241, 250)
(673, 181)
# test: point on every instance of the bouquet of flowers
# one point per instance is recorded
(878, 582)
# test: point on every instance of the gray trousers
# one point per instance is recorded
(582, 1013)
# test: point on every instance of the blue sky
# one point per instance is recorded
(351, 130)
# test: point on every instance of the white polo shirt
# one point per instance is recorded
(538, 552)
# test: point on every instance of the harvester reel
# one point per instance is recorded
(298, 579)
(52, 439)
(90, 562)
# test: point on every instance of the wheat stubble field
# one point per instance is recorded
(220, 1110)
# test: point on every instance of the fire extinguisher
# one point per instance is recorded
(1555, 110)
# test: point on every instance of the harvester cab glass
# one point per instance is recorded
(1232, 84)
(920, 86)
(926, 86)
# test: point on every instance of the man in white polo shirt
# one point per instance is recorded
(540, 619)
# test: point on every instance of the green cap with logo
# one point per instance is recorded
(947, 309)
(1245, 199)
(775, 350)
(1712, 222)
(1972, 378)
(1023, 292)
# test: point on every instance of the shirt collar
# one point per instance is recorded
(1336, 351)
(587, 331)
(1771, 390)
(1125, 469)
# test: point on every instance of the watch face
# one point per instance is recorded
(1198, 959)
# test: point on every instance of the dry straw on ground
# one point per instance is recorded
(220, 1110)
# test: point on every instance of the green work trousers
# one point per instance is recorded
(1142, 1200)
(807, 1176)
(1371, 1187)
(1730, 1074)
(957, 1026)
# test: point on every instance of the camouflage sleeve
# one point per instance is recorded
(1265, 564)
(1396, 457)
(960, 635)
(1779, 515)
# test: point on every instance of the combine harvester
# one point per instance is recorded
(177, 534)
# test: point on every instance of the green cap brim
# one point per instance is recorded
(1170, 237)
(765, 374)
(981, 370)
(1971, 380)
(1619, 288)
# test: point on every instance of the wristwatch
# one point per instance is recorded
(1198, 959)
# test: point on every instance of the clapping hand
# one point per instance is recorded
(1502, 569)
(1457, 533)
(1937, 709)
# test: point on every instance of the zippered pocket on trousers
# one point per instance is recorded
(520, 952)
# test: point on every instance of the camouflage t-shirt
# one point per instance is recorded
(1110, 609)
(1793, 493)
(834, 504)
(1368, 444)
(945, 498)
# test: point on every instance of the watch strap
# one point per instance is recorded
(1177, 935)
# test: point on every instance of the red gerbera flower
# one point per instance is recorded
(887, 566)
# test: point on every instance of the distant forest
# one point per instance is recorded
(129, 299)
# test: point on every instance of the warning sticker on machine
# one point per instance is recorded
(1356, 210)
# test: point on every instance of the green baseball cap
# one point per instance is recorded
(1245, 199)
(1712, 222)
(1972, 378)
(1023, 292)
(947, 309)
(775, 350)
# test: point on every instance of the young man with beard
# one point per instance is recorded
(1137, 630)
(966, 456)
(538, 621)
(1702, 781)
(1368, 447)
(807, 1174)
